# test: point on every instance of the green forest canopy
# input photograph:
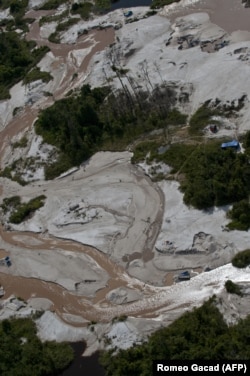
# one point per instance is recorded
(17, 57)
(23, 354)
(97, 119)
(199, 334)
(212, 176)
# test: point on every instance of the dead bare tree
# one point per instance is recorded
(134, 87)
(157, 69)
(114, 56)
(143, 66)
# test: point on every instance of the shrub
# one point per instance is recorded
(54, 38)
(84, 9)
(240, 215)
(22, 143)
(242, 259)
(175, 117)
(10, 203)
(53, 18)
(66, 24)
(6, 173)
(246, 142)
(232, 288)
(52, 4)
(36, 74)
(142, 149)
(23, 211)
(56, 169)
(102, 5)
(201, 118)
(160, 3)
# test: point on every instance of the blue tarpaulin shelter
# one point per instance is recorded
(184, 276)
(128, 13)
(232, 144)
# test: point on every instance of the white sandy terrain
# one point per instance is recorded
(5, 14)
(175, 301)
(54, 266)
(181, 224)
(223, 74)
(36, 3)
(178, 6)
(106, 206)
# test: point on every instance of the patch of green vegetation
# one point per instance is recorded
(8, 173)
(17, 178)
(47, 94)
(97, 119)
(25, 210)
(37, 314)
(17, 110)
(55, 169)
(52, 4)
(218, 179)
(10, 203)
(246, 142)
(143, 148)
(177, 156)
(23, 353)
(150, 13)
(175, 117)
(160, 3)
(84, 9)
(97, 5)
(121, 71)
(17, 7)
(199, 334)
(53, 18)
(29, 165)
(242, 259)
(17, 57)
(201, 118)
(213, 176)
(121, 318)
(102, 5)
(240, 216)
(54, 37)
(66, 25)
(17, 10)
(38, 52)
(233, 288)
(210, 176)
(4, 92)
(36, 74)
(22, 143)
